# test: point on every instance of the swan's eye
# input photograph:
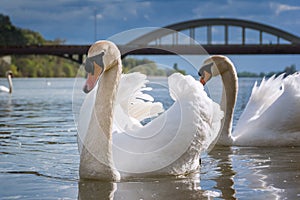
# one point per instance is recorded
(89, 63)
(206, 67)
(89, 66)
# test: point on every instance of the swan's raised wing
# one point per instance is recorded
(132, 104)
(172, 142)
(284, 114)
(132, 98)
(261, 98)
(278, 124)
(209, 114)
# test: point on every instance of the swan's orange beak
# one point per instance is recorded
(205, 76)
(202, 81)
(92, 78)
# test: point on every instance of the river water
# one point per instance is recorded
(39, 158)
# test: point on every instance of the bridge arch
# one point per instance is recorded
(156, 35)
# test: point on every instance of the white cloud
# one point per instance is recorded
(130, 9)
(279, 8)
(99, 16)
(146, 17)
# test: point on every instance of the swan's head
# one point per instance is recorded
(9, 73)
(102, 55)
(214, 66)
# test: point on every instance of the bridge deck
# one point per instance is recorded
(210, 49)
(63, 50)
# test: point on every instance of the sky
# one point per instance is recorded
(85, 21)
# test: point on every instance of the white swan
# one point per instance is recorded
(272, 115)
(168, 145)
(5, 89)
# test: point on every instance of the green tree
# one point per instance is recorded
(290, 70)
(33, 66)
(175, 67)
(9, 34)
(144, 66)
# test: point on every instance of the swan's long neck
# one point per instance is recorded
(96, 156)
(10, 83)
(229, 95)
(105, 98)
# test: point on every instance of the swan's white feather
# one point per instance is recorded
(171, 143)
(132, 98)
(4, 89)
(272, 114)
(261, 98)
(132, 105)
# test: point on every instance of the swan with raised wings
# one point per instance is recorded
(168, 145)
(272, 114)
(5, 89)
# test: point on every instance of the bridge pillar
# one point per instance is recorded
(243, 35)
(226, 34)
(260, 37)
(192, 35)
(209, 34)
(175, 38)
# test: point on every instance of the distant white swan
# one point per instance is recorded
(168, 145)
(272, 115)
(5, 89)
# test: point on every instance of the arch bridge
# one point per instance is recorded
(210, 24)
(216, 36)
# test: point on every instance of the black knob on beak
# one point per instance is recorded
(199, 73)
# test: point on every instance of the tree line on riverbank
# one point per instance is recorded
(287, 71)
(53, 66)
(32, 65)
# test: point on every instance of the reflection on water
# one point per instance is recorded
(159, 188)
(267, 173)
(224, 181)
(39, 157)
